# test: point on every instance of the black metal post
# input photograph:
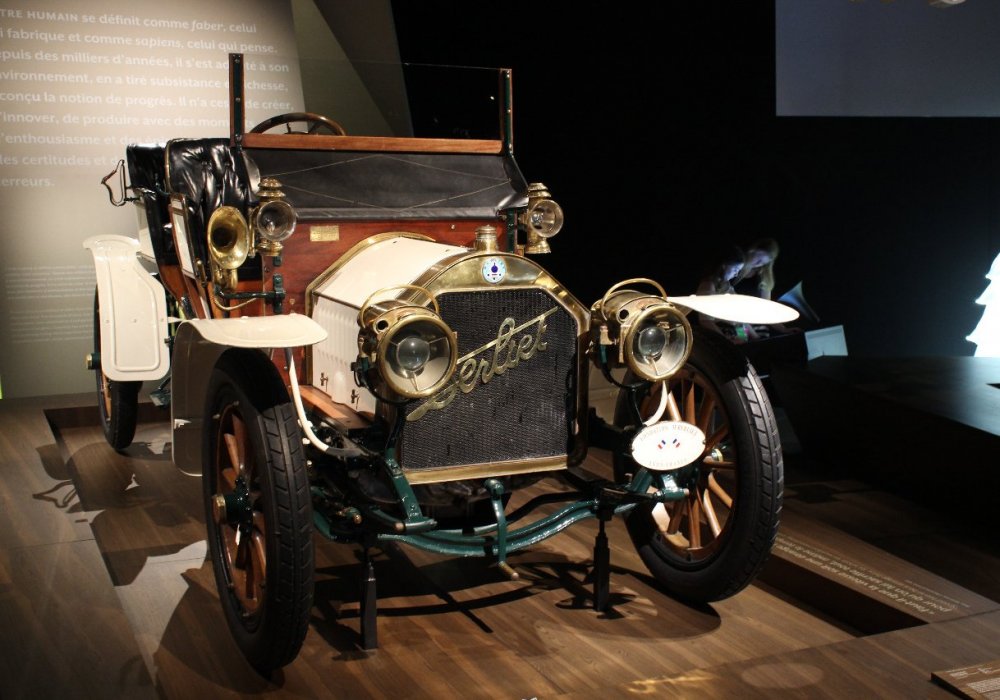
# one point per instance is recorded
(369, 603)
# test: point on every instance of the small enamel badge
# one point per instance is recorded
(494, 270)
(668, 445)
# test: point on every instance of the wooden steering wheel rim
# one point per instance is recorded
(317, 120)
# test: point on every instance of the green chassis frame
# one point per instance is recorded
(369, 524)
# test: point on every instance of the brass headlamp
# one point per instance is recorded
(641, 331)
(541, 220)
(413, 350)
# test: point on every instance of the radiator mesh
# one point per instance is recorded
(524, 413)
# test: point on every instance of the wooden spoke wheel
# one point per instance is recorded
(713, 542)
(117, 402)
(258, 514)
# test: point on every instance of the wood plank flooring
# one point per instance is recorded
(105, 593)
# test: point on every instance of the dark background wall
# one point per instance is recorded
(656, 131)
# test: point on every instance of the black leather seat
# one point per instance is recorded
(210, 174)
(147, 175)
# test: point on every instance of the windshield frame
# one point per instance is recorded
(239, 137)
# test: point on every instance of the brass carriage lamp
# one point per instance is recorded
(274, 219)
(541, 220)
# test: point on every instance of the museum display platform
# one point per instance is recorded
(925, 427)
(106, 593)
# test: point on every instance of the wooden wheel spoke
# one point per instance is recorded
(705, 414)
(710, 516)
(106, 393)
(229, 478)
(675, 517)
(257, 569)
(720, 493)
(259, 526)
(690, 407)
(233, 451)
(726, 464)
(715, 438)
(229, 547)
(661, 517)
(240, 436)
(672, 408)
(694, 521)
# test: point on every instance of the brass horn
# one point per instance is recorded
(229, 244)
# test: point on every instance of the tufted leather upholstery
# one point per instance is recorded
(147, 177)
(209, 175)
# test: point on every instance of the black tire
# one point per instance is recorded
(117, 402)
(678, 544)
(268, 598)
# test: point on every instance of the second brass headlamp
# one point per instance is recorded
(641, 331)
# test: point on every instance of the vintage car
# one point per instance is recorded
(355, 339)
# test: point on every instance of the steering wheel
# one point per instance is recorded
(315, 121)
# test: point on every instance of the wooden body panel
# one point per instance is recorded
(304, 259)
(393, 144)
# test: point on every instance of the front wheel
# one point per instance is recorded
(117, 402)
(712, 544)
(259, 516)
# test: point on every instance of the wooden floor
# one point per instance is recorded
(105, 593)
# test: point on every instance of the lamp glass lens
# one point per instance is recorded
(418, 357)
(275, 221)
(659, 345)
(546, 218)
(413, 352)
(650, 342)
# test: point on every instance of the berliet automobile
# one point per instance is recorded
(356, 340)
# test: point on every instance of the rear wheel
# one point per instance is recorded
(117, 402)
(259, 516)
(713, 543)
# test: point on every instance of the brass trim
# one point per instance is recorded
(488, 469)
(621, 286)
(369, 303)
(462, 273)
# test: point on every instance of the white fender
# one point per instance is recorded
(133, 309)
(198, 345)
(286, 331)
(738, 308)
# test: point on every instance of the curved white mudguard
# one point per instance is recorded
(738, 308)
(291, 331)
(198, 345)
(133, 309)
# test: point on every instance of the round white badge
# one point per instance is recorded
(668, 445)
(494, 270)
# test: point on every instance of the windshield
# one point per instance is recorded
(378, 98)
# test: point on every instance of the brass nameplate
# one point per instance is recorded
(324, 234)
